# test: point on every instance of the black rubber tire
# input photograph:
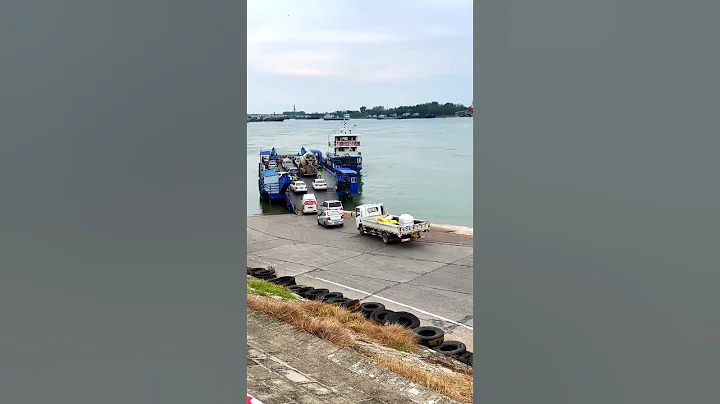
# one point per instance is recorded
(284, 281)
(361, 229)
(329, 295)
(295, 288)
(337, 301)
(304, 292)
(342, 224)
(251, 271)
(301, 291)
(368, 307)
(467, 358)
(385, 238)
(264, 273)
(315, 294)
(351, 305)
(379, 316)
(270, 279)
(451, 348)
(404, 319)
(429, 336)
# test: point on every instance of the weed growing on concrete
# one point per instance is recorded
(265, 288)
(293, 314)
(457, 386)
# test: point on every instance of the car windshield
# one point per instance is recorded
(319, 181)
(334, 215)
(299, 184)
(335, 204)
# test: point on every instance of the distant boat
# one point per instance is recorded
(340, 117)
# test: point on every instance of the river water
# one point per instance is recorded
(422, 167)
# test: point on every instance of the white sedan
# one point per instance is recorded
(319, 184)
(298, 187)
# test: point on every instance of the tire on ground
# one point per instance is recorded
(251, 271)
(301, 291)
(329, 295)
(304, 292)
(429, 336)
(264, 273)
(284, 281)
(451, 348)
(315, 293)
(404, 319)
(337, 301)
(351, 305)
(467, 358)
(368, 307)
(380, 316)
(295, 288)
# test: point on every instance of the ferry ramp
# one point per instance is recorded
(321, 196)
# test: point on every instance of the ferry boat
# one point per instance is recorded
(273, 183)
(344, 148)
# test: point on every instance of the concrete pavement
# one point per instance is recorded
(431, 278)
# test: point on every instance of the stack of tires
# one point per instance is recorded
(428, 336)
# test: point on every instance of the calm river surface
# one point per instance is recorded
(418, 166)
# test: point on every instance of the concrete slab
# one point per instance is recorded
(254, 236)
(456, 278)
(270, 244)
(311, 255)
(427, 251)
(384, 267)
(363, 283)
(357, 243)
(465, 261)
(451, 305)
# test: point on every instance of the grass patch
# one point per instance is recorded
(459, 387)
(265, 288)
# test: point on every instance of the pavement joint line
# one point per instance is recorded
(368, 295)
(394, 302)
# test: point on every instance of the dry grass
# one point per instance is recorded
(293, 314)
(391, 336)
(334, 323)
(459, 387)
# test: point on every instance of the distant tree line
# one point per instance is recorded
(435, 108)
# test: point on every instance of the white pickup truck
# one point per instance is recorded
(373, 219)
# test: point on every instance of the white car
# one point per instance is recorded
(309, 204)
(332, 205)
(329, 218)
(319, 184)
(298, 187)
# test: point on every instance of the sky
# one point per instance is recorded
(324, 56)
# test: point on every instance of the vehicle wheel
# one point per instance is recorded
(361, 229)
(385, 238)
(429, 336)
(451, 348)
(342, 224)
(325, 224)
(404, 319)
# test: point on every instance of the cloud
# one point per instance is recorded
(360, 41)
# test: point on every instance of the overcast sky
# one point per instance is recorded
(324, 55)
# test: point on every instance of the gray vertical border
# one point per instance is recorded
(596, 202)
(122, 202)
